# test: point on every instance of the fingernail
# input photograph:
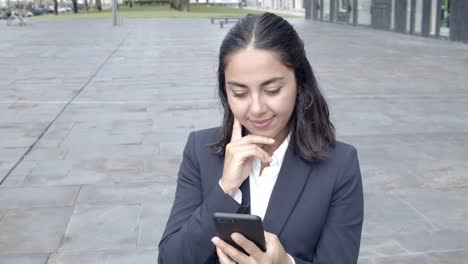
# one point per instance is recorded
(235, 236)
(214, 240)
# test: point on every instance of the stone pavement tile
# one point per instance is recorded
(37, 112)
(121, 89)
(67, 172)
(131, 193)
(408, 161)
(3, 212)
(386, 216)
(47, 171)
(131, 126)
(98, 111)
(11, 153)
(365, 260)
(153, 220)
(30, 197)
(441, 240)
(405, 259)
(33, 230)
(15, 140)
(449, 257)
(5, 167)
(353, 117)
(377, 246)
(172, 148)
(46, 153)
(452, 257)
(18, 175)
(163, 168)
(55, 134)
(156, 199)
(113, 152)
(443, 209)
(102, 171)
(102, 227)
(101, 138)
(188, 119)
(24, 259)
(104, 257)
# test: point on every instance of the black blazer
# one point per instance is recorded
(316, 208)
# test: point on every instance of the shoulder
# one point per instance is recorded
(201, 140)
(342, 151)
(208, 134)
(340, 156)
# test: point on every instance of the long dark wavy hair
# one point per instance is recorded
(312, 132)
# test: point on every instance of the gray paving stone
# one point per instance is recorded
(5, 167)
(444, 209)
(3, 212)
(18, 175)
(33, 230)
(99, 257)
(102, 227)
(11, 153)
(30, 197)
(126, 193)
(387, 216)
(153, 220)
(49, 153)
(452, 257)
(47, 170)
(377, 246)
(424, 241)
(24, 259)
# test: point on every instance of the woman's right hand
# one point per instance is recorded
(239, 155)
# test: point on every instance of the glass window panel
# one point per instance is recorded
(364, 16)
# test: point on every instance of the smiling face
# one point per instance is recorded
(261, 92)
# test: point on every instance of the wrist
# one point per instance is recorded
(229, 189)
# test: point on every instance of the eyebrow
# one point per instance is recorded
(272, 80)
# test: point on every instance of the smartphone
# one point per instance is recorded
(250, 226)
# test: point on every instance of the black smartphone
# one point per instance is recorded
(250, 226)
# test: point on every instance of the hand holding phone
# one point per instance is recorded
(250, 226)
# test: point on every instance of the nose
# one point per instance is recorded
(257, 106)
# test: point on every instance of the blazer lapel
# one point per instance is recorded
(291, 180)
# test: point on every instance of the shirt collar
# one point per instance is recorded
(280, 152)
(278, 155)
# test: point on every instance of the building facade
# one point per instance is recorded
(428, 18)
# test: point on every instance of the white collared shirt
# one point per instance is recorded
(261, 185)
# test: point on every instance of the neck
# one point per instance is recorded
(279, 139)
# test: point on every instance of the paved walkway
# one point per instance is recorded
(93, 120)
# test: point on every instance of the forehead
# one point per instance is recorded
(255, 65)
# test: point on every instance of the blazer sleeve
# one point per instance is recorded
(190, 227)
(341, 236)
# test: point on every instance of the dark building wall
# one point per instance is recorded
(459, 20)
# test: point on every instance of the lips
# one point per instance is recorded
(261, 123)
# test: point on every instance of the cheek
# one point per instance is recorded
(284, 105)
(238, 108)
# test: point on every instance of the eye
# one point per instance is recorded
(239, 94)
(275, 91)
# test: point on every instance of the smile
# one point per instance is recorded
(261, 123)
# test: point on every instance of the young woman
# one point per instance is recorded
(274, 156)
